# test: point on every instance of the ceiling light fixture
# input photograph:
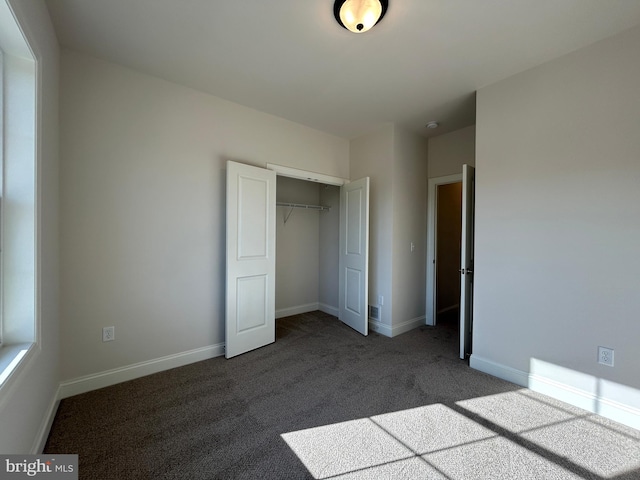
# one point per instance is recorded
(432, 125)
(358, 16)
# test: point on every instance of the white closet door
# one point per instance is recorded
(354, 255)
(251, 253)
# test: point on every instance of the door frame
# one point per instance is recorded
(433, 183)
(306, 175)
(299, 174)
(283, 171)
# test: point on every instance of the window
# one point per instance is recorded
(17, 196)
(1, 184)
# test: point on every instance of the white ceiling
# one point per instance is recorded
(290, 58)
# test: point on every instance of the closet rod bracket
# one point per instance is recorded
(320, 208)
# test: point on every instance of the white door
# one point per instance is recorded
(354, 255)
(466, 260)
(251, 258)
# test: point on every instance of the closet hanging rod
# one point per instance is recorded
(302, 205)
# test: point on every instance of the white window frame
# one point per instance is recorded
(19, 326)
(1, 195)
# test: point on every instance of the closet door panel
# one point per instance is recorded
(251, 252)
(354, 255)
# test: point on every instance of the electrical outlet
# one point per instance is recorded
(380, 300)
(605, 356)
(108, 334)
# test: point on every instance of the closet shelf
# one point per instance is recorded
(302, 205)
(320, 208)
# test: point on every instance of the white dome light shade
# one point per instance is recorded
(358, 16)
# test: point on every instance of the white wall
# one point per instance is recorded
(142, 208)
(27, 406)
(396, 162)
(297, 247)
(448, 152)
(371, 156)
(409, 226)
(557, 221)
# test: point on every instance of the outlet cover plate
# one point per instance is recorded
(108, 334)
(605, 356)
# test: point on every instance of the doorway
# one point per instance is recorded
(448, 232)
(251, 257)
(433, 306)
(466, 257)
(322, 250)
(307, 239)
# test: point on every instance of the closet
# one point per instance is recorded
(307, 247)
(322, 253)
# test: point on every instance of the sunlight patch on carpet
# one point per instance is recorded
(547, 439)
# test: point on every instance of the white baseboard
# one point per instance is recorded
(498, 370)
(323, 307)
(107, 378)
(380, 328)
(406, 326)
(395, 330)
(625, 413)
(297, 310)
(47, 421)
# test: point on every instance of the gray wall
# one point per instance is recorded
(409, 226)
(448, 152)
(557, 221)
(396, 162)
(143, 212)
(371, 156)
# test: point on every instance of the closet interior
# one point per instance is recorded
(307, 246)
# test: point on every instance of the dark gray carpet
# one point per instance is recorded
(348, 406)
